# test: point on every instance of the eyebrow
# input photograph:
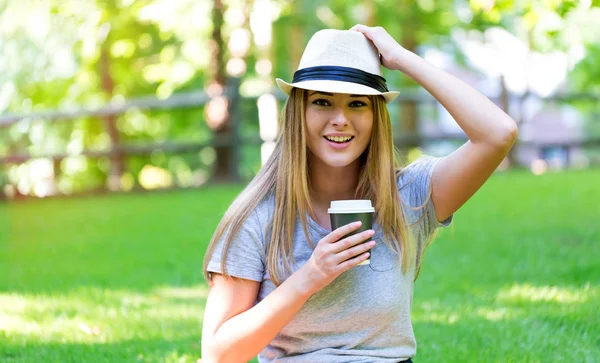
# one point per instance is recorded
(331, 94)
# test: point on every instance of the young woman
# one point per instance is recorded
(285, 287)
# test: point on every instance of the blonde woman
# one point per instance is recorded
(285, 287)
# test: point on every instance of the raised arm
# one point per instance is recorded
(491, 132)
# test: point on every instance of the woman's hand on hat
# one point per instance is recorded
(389, 49)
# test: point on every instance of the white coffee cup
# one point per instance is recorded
(342, 212)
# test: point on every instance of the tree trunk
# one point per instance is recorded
(224, 153)
(117, 158)
(371, 18)
(296, 43)
(408, 108)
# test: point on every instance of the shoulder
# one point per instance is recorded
(266, 208)
(248, 219)
(259, 220)
(414, 180)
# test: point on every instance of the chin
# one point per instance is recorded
(338, 163)
(335, 160)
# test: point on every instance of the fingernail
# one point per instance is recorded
(372, 243)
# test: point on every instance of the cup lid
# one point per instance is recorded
(351, 206)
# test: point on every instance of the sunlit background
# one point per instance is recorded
(122, 95)
(110, 98)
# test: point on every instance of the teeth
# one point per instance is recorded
(338, 138)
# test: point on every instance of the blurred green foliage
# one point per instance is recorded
(61, 54)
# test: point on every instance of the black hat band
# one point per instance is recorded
(344, 74)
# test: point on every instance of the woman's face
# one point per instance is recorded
(339, 126)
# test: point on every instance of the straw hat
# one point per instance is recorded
(340, 61)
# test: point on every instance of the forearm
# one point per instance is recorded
(242, 337)
(478, 117)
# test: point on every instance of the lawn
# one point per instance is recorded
(118, 278)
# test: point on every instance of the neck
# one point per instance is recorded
(332, 183)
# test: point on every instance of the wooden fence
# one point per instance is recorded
(233, 139)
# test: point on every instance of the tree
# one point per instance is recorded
(87, 54)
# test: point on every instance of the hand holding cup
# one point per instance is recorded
(347, 211)
(335, 254)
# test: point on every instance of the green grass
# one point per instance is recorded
(119, 278)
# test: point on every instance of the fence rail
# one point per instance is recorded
(233, 139)
(199, 98)
(180, 148)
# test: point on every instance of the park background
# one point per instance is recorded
(127, 127)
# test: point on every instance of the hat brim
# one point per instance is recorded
(336, 87)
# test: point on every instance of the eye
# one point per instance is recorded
(357, 104)
(321, 102)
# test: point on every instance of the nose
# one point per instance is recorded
(339, 118)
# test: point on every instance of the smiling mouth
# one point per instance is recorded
(339, 139)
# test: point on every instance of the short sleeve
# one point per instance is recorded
(246, 256)
(414, 185)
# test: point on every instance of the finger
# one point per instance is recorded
(337, 234)
(362, 29)
(354, 251)
(346, 265)
(357, 27)
(353, 240)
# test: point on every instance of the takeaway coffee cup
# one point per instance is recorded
(342, 212)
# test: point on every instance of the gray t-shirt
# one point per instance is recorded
(364, 314)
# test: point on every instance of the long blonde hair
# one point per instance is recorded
(286, 175)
